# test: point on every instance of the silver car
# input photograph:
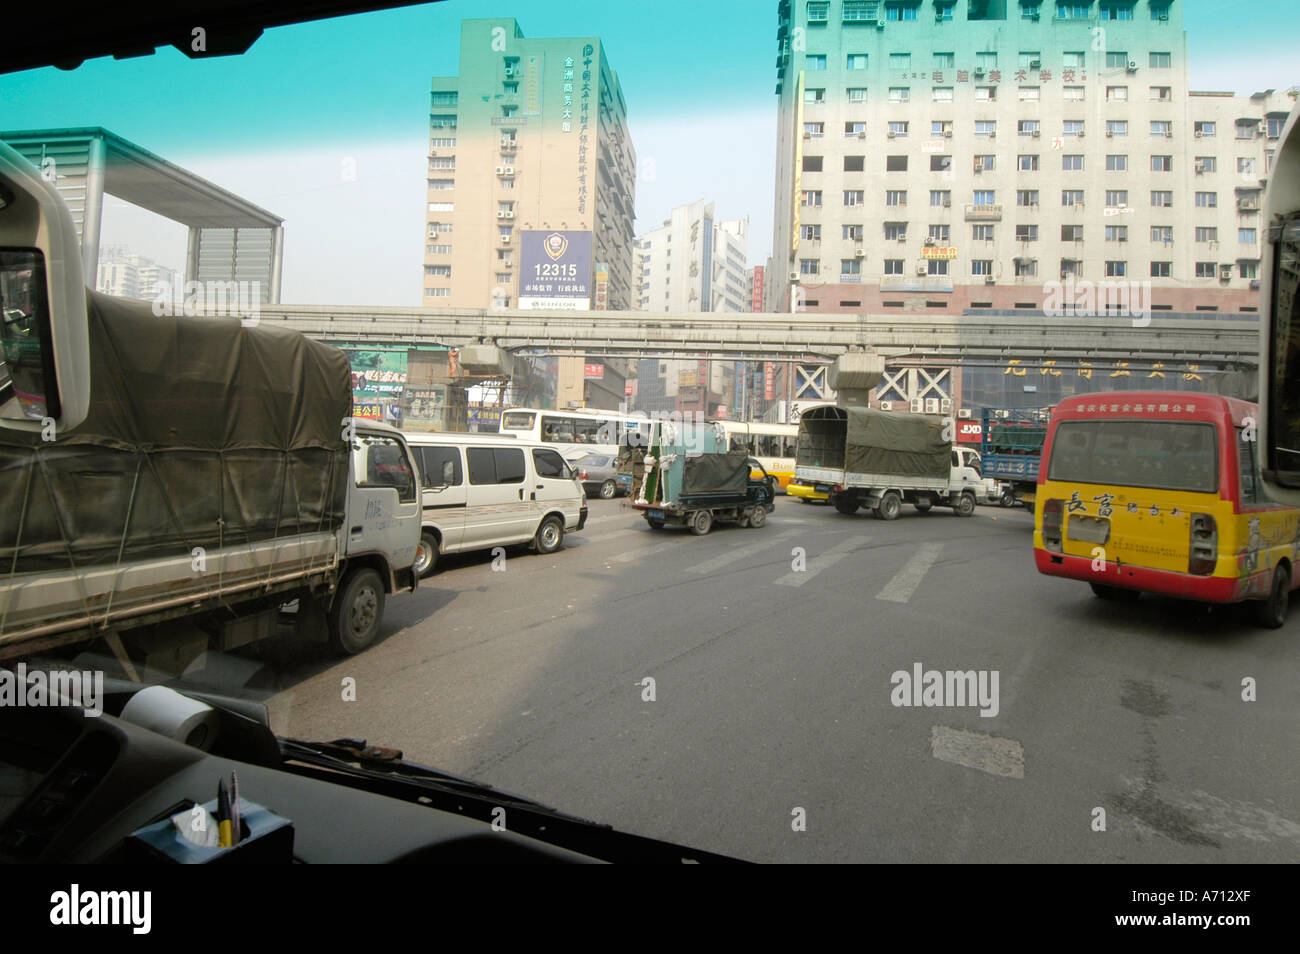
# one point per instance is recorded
(599, 475)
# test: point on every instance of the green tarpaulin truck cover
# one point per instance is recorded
(866, 441)
(201, 433)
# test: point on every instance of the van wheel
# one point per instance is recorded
(758, 518)
(357, 612)
(889, 506)
(701, 522)
(965, 504)
(607, 490)
(1271, 613)
(1116, 594)
(426, 554)
(550, 536)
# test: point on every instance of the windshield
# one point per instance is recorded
(837, 239)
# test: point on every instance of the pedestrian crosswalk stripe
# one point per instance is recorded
(822, 561)
(740, 553)
(906, 580)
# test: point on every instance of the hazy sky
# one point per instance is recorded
(278, 124)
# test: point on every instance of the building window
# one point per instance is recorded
(850, 266)
(1116, 127)
(1117, 94)
(1071, 197)
(985, 128)
(1273, 126)
(1031, 60)
(893, 266)
(1161, 94)
(937, 266)
(1025, 267)
(1162, 163)
(1207, 200)
(816, 61)
(442, 206)
(940, 233)
(808, 266)
(1027, 198)
(812, 163)
(811, 197)
(1246, 165)
(1072, 163)
(1117, 163)
(901, 10)
(1203, 130)
(819, 11)
(856, 61)
(1162, 233)
(853, 197)
(940, 163)
(1117, 233)
(985, 94)
(814, 95)
(895, 231)
(814, 130)
(1027, 127)
(850, 233)
(943, 10)
(895, 163)
(1117, 11)
(810, 233)
(857, 94)
(854, 129)
(941, 94)
(1067, 10)
(1207, 234)
(900, 61)
(986, 61)
(1071, 233)
(1026, 233)
(941, 197)
(1246, 128)
(896, 197)
(1247, 236)
(1027, 163)
(1116, 198)
(900, 94)
(1206, 270)
(898, 130)
(945, 61)
(1117, 60)
(437, 293)
(984, 197)
(1116, 269)
(442, 185)
(1162, 199)
(1248, 269)
(981, 266)
(1072, 94)
(1161, 269)
(981, 233)
(1030, 94)
(437, 250)
(442, 143)
(1072, 127)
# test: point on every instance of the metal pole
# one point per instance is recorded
(93, 214)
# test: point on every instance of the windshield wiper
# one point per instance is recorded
(384, 771)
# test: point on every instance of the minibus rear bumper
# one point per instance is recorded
(1208, 589)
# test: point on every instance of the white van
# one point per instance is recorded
(487, 490)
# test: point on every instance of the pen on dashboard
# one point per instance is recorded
(235, 815)
(223, 815)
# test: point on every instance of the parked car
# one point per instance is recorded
(805, 491)
(598, 474)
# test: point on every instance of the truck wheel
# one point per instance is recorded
(845, 505)
(357, 611)
(655, 523)
(889, 506)
(550, 535)
(426, 554)
(1008, 499)
(1271, 613)
(922, 504)
(701, 522)
(965, 504)
(759, 517)
(607, 490)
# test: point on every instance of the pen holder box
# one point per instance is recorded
(266, 838)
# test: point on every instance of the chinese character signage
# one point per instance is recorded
(593, 371)
(555, 270)
(939, 251)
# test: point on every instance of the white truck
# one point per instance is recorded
(176, 484)
(880, 460)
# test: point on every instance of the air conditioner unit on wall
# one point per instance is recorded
(886, 405)
(945, 405)
(963, 413)
(914, 405)
(922, 269)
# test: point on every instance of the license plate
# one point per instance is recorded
(1088, 529)
(822, 488)
(657, 514)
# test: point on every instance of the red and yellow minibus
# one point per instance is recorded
(1160, 491)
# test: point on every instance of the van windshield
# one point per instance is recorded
(1168, 455)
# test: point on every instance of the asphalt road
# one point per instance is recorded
(774, 695)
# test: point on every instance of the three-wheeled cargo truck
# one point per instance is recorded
(688, 480)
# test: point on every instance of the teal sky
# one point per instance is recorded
(275, 124)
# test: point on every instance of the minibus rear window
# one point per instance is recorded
(1168, 455)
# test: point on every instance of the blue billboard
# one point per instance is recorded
(555, 270)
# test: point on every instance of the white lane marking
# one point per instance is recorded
(822, 561)
(906, 580)
(1004, 758)
(740, 553)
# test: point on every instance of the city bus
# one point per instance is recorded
(574, 433)
(772, 445)
(1161, 492)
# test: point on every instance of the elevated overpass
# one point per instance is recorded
(1221, 341)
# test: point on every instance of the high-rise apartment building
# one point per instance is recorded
(124, 275)
(529, 157)
(935, 155)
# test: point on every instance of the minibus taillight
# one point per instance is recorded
(1203, 549)
(1052, 513)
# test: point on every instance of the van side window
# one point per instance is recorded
(482, 465)
(440, 466)
(550, 464)
(386, 465)
(509, 465)
(1247, 468)
(956, 461)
